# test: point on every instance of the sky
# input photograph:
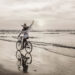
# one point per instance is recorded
(47, 14)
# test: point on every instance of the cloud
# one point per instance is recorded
(29, 6)
(47, 11)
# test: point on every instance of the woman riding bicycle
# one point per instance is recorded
(25, 33)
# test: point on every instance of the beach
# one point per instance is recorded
(52, 54)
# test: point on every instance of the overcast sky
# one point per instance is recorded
(51, 14)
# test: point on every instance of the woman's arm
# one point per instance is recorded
(31, 25)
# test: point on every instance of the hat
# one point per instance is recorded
(24, 25)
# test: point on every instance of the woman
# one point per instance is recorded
(25, 33)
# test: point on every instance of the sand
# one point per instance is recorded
(53, 54)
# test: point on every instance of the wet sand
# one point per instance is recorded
(52, 55)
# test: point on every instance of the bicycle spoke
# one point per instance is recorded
(28, 47)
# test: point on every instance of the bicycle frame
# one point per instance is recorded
(22, 39)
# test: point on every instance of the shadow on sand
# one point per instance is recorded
(8, 72)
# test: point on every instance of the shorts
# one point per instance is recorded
(25, 36)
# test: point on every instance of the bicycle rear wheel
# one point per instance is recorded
(28, 47)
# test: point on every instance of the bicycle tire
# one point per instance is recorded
(19, 60)
(17, 53)
(29, 60)
(18, 43)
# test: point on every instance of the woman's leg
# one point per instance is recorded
(24, 40)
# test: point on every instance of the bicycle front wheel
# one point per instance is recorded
(28, 47)
(18, 45)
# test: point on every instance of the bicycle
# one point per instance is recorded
(27, 45)
(26, 59)
(23, 60)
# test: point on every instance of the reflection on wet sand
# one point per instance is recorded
(48, 48)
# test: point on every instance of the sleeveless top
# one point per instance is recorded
(25, 30)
